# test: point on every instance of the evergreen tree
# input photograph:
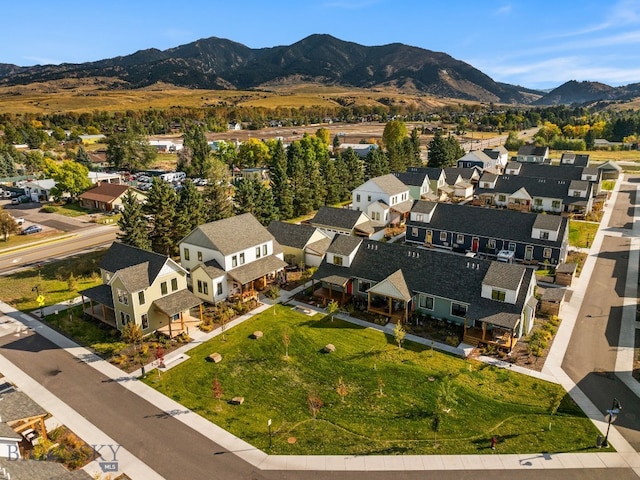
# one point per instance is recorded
(245, 196)
(590, 139)
(134, 228)
(265, 210)
(194, 158)
(82, 157)
(300, 186)
(333, 187)
(443, 152)
(282, 195)
(217, 193)
(161, 203)
(454, 151)
(350, 171)
(190, 209)
(376, 163)
(414, 140)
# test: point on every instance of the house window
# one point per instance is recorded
(174, 284)
(414, 232)
(555, 204)
(491, 243)
(546, 253)
(242, 258)
(205, 288)
(537, 202)
(544, 235)
(123, 296)
(512, 247)
(426, 302)
(576, 193)
(443, 236)
(358, 197)
(219, 288)
(144, 319)
(419, 217)
(368, 198)
(498, 295)
(163, 288)
(199, 256)
(141, 297)
(458, 310)
(186, 254)
(234, 261)
(264, 250)
(258, 252)
(363, 286)
(199, 286)
(337, 260)
(459, 238)
(124, 318)
(502, 198)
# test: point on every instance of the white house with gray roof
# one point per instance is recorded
(233, 257)
(385, 199)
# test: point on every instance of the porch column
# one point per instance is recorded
(104, 315)
(201, 308)
(511, 341)
(43, 428)
(484, 330)
(390, 306)
(170, 334)
(182, 320)
(368, 301)
(464, 326)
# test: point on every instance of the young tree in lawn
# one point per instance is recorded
(555, 399)
(399, 333)
(132, 334)
(332, 309)
(161, 204)
(315, 403)
(218, 393)
(8, 225)
(447, 396)
(380, 386)
(286, 341)
(341, 389)
(134, 228)
(435, 426)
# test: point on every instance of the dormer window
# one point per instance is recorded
(498, 295)
(337, 260)
(544, 235)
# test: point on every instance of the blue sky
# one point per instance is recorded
(537, 44)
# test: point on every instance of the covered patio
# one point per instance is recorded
(390, 298)
(255, 276)
(100, 304)
(332, 288)
(176, 307)
(498, 330)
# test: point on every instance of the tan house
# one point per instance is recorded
(300, 243)
(106, 197)
(142, 287)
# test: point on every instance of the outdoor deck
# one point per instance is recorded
(104, 315)
(395, 317)
(473, 336)
(190, 323)
(325, 295)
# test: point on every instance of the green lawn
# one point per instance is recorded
(581, 234)
(52, 280)
(71, 210)
(477, 401)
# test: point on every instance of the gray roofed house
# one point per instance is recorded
(133, 279)
(390, 184)
(533, 153)
(394, 195)
(487, 231)
(300, 243)
(344, 245)
(575, 159)
(418, 183)
(441, 284)
(40, 470)
(244, 250)
(454, 174)
(229, 235)
(332, 220)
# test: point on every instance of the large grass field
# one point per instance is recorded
(392, 395)
(52, 279)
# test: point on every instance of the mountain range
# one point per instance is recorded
(216, 63)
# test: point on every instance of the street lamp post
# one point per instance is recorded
(611, 415)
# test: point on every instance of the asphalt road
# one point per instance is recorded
(590, 357)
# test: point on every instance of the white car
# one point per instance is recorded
(18, 220)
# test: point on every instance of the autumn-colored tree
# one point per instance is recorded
(324, 135)
(332, 309)
(315, 403)
(399, 333)
(286, 341)
(555, 399)
(342, 389)
(8, 225)
(216, 389)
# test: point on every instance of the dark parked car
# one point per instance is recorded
(32, 229)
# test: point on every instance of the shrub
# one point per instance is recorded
(452, 340)
(49, 209)
(205, 327)
(107, 349)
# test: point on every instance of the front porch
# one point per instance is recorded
(328, 295)
(177, 327)
(496, 337)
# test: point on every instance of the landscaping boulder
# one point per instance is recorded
(237, 401)
(257, 334)
(328, 348)
(215, 357)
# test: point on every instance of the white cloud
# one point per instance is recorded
(503, 10)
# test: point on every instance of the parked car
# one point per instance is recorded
(18, 220)
(32, 229)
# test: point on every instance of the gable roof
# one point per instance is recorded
(538, 170)
(465, 173)
(533, 150)
(229, 235)
(431, 272)
(135, 277)
(577, 160)
(424, 206)
(121, 256)
(476, 156)
(393, 286)
(389, 184)
(256, 269)
(46, 184)
(536, 187)
(291, 234)
(337, 217)
(211, 268)
(176, 302)
(432, 172)
(414, 179)
(344, 245)
(105, 192)
(504, 275)
(16, 405)
(492, 223)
